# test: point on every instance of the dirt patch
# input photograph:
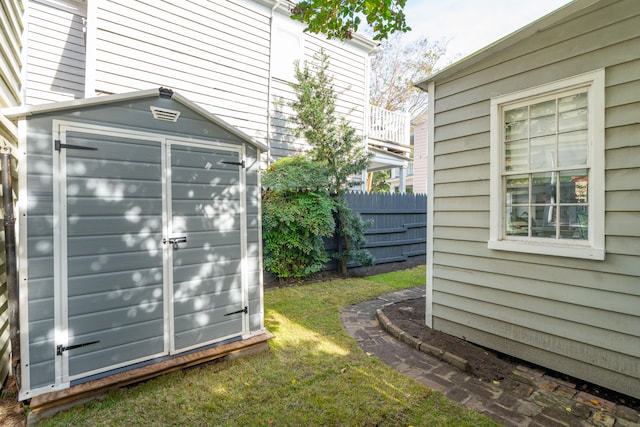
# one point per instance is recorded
(11, 411)
(409, 316)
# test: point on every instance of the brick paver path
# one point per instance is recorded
(528, 398)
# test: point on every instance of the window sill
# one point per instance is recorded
(561, 250)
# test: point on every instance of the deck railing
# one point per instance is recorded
(389, 130)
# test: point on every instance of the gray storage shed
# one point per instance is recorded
(139, 238)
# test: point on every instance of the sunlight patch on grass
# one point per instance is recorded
(294, 334)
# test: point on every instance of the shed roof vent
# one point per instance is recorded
(164, 114)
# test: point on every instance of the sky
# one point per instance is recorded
(470, 25)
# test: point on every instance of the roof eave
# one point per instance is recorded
(15, 113)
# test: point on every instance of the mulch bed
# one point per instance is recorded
(409, 316)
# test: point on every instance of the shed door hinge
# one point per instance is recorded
(61, 348)
(234, 163)
(58, 146)
(244, 310)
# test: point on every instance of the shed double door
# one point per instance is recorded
(150, 248)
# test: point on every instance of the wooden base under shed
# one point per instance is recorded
(47, 405)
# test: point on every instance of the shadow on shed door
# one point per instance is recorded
(207, 228)
(129, 290)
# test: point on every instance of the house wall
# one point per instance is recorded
(420, 154)
(575, 316)
(229, 56)
(11, 28)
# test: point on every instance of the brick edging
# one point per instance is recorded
(414, 342)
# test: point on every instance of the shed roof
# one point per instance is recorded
(563, 14)
(24, 111)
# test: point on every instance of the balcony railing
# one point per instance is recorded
(395, 172)
(389, 130)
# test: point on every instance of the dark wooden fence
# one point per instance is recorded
(399, 226)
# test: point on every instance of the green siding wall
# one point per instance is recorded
(576, 316)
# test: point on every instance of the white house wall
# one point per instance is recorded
(218, 54)
(576, 316)
(55, 61)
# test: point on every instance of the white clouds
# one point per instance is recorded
(470, 25)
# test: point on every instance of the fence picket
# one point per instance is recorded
(399, 230)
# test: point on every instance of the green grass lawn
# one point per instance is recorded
(314, 374)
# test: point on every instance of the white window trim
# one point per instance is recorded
(594, 247)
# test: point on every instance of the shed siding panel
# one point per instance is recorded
(581, 315)
(128, 116)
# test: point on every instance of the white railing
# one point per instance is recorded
(390, 128)
(395, 172)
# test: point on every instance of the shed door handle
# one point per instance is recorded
(175, 240)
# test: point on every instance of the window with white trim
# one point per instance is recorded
(547, 169)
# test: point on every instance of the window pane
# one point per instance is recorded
(517, 190)
(517, 155)
(573, 222)
(543, 118)
(543, 126)
(574, 186)
(515, 114)
(518, 223)
(543, 109)
(573, 102)
(543, 152)
(544, 224)
(543, 189)
(573, 120)
(516, 130)
(572, 148)
(583, 222)
(516, 123)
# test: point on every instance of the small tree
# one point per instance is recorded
(334, 145)
(297, 213)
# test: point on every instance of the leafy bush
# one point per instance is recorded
(297, 214)
(351, 229)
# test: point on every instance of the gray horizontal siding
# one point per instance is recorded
(576, 316)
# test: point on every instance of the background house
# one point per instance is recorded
(231, 58)
(416, 173)
(534, 185)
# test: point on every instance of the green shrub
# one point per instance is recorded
(297, 213)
